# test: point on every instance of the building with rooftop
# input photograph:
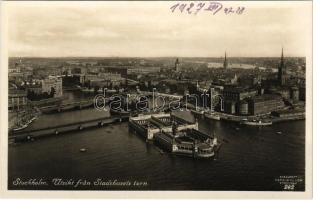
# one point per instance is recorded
(188, 142)
(52, 83)
(17, 99)
(149, 125)
(265, 104)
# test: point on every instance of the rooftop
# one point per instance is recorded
(266, 97)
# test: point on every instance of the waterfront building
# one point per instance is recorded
(189, 142)
(52, 83)
(103, 79)
(265, 104)
(230, 107)
(293, 114)
(36, 88)
(17, 99)
(236, 94)
(243, 108)
(149, 125)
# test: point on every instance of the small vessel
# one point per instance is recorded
(256, 123)
(279, 132)
(82, 150)
(212, 116)
(198, 112)
(32, 119)
(23, 126)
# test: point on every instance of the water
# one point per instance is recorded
(251, 160)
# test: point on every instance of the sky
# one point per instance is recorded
(151, 29)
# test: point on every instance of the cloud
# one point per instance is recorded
(151, 29)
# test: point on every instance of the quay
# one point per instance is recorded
(265, 119)
(25, 135)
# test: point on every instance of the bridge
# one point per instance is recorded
(63, 128)
(63, 106)
(147, 93)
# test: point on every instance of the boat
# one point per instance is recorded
(197, 112)
(82, 150)
(279, 132)
(32, 119)
(212, 116)
(23, 126)
(256, 123)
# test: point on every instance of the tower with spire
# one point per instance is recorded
(225, 65)
(282, 75)
(177, 65)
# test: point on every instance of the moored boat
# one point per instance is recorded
(256, 123)
(23, 126)
(197, 112)
(212, 116)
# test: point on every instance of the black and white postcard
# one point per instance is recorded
(158, 99)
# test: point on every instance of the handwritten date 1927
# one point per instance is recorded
(211, 6)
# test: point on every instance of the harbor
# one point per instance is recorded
(113, 151)
(261, 120)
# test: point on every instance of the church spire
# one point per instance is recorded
(282, 69)
(225, 61)
(177, 65)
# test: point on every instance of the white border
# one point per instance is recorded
(148, 194)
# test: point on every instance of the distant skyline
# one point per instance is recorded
(150, 29)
